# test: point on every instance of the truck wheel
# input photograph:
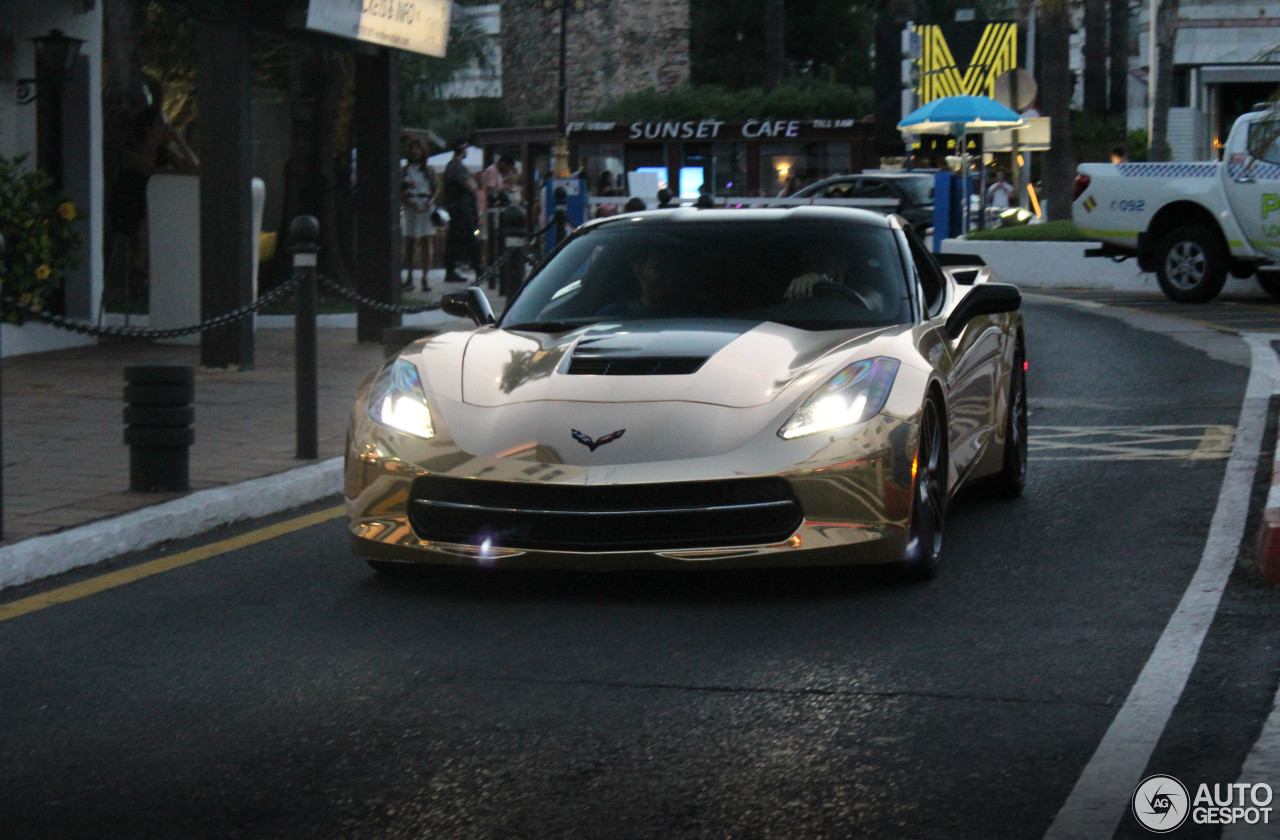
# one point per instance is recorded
(1191, 265)
(1270, 283)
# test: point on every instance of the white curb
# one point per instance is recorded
(188, 516)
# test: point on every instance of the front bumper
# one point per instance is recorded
(851, 495)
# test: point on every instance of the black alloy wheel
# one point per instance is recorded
(929, 496)
(1191, 264)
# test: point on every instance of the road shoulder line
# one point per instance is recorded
(1098, 801)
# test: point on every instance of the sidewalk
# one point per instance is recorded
(66, 498)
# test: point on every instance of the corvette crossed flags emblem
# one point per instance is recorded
(593, 445)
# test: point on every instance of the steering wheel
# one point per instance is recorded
(839, 290)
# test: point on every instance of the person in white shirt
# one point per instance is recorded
(1000, 193)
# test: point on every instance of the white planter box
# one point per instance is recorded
(1063, 265)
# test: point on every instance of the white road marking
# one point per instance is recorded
(1130, 443)
(1101, 795)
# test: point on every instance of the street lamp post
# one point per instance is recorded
(562, 138)
(560, 152)
(56, 55)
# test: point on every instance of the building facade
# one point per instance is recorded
(1226, 59)
(78, 142)
(613, 47)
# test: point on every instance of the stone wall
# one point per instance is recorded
(614, 47)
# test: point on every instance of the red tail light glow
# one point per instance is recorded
(1082, 184)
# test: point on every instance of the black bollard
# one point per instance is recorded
(515, 227)
(304, 233)
(561, 216)
(158, 415)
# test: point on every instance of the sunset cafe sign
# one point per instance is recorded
(710, 130)
(420, 26)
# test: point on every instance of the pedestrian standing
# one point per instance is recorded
(460, 200)
(417, 202)
(605, 187)
(1000, 193)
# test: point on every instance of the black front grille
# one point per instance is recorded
(636, 366)
(634, 517)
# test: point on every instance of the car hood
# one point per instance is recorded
(736, 364)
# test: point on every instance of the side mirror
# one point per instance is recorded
(469, 303)
(983, 299)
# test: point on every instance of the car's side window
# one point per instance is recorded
(932, 283)
(875, 189)
(1264, 140)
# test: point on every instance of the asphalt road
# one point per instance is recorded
(282, 690)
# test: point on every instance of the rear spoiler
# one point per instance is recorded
(959, 259)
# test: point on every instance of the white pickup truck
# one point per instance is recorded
(1191, 223)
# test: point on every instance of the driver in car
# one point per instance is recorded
(827, 273)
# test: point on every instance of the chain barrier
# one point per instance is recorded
(10, 303)
(489, 274)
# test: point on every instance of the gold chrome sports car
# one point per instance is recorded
(698, 388)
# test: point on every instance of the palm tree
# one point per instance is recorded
(1095, 57)
(1166, 37)
(1055, 97)
(1119, 97)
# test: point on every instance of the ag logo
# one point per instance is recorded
(1161, 803)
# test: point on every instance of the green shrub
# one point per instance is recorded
(1046, 232)
(40, 243)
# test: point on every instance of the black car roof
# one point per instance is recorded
(753, 215)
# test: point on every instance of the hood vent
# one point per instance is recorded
(582, 365)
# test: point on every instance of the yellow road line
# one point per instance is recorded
(111, 580)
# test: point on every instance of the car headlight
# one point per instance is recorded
(398, 400)
(855, 394)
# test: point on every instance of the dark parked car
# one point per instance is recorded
(912, 192)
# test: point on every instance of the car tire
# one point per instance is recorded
(1012, 478)
(1270, 283)
(1191, 264)
(928, 496)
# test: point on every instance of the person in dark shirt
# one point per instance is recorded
(460, 244)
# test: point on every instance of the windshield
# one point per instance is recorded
(804, 273)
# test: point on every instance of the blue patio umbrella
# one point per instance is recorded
(960, 115)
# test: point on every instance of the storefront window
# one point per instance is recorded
(597, 158)
(794, 165)
(650, 163)
(722, 166)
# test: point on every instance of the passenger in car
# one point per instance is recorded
(660, 290)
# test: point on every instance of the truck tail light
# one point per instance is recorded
(1082, 184)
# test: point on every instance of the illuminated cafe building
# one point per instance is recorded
(757, 157)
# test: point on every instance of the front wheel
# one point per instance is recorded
(1191, 264)
(929, 496)
(1012, 478)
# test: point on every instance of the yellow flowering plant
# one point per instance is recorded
(40, 241)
